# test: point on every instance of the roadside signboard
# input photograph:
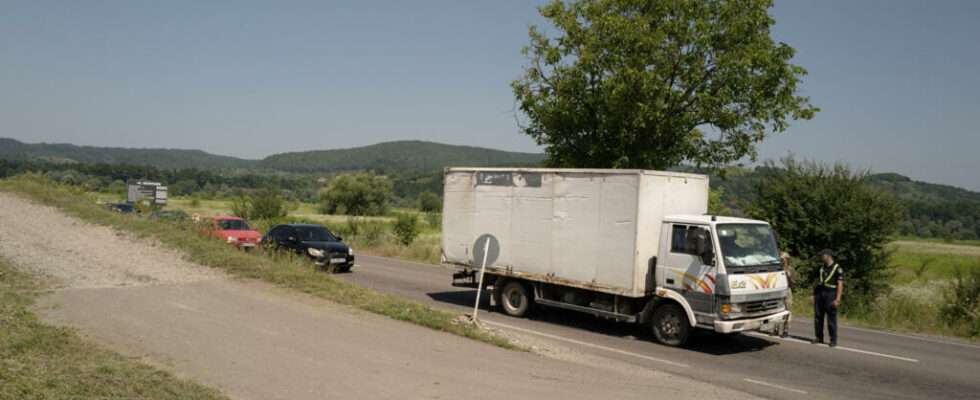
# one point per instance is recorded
(155, 192)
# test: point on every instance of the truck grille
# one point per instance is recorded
(760, 306)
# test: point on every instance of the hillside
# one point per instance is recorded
(401, 155)
(934, 210)
(914, 191)
(11, 149)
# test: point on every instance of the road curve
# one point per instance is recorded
(867, 364)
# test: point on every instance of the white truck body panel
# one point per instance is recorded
(588, 228)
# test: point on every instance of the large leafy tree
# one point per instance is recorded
(815, 206)
(361, 194)
(657, 83)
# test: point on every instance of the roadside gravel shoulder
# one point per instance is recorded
(77, 254)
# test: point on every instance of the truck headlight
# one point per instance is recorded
(727, 308)
(232, 239)
(314, 252)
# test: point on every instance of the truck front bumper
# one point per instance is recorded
(768, 322)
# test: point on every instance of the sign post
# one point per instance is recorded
(479, 286)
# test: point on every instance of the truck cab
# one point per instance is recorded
(725, 272)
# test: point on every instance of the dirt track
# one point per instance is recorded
(254, 341)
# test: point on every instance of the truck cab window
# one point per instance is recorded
(684, 239)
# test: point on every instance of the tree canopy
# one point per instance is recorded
(361, 194)
(815, 206)
(656, 83)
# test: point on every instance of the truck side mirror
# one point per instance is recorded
(708, 258)
(702, 248)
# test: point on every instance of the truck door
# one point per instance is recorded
(686, 271)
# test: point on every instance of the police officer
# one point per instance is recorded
(827, 290)
(788, 301)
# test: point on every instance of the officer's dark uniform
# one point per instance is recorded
(823, 301)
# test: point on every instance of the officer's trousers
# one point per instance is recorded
(823, 305)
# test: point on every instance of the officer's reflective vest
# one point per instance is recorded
(825, 280)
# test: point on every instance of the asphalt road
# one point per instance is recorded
(866, 364)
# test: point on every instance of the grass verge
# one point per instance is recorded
(46, 362)
(291, 272)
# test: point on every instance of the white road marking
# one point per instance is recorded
(763, 335)
(899, 335)
(773, 385)
(586, 344)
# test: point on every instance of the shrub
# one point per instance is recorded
(241, 207)
(373, 233)
(429, 202)
(962, 302)
(406, 228)
(434, 220)
(361, 194)
(267, 205)
(813, 206)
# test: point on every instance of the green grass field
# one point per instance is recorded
(919, 262)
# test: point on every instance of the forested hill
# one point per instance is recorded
(934, 210)
(401, 155)
(411, 155)
(15, 150)
(914, 191)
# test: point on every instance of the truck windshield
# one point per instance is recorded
(745, 247)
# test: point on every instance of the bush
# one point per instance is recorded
(962, 302)
(267, 205)
(406, 228)
(361, 194)
(434, 220)
(812, 206)
(373, 233)
(429, 202)
(241, 207)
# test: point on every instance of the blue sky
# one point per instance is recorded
(897, 81)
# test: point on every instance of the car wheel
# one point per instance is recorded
(516, 299)
(670, 325)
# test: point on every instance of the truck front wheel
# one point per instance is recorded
(515, 299)
(670, 325)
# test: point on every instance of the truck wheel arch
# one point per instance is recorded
(668, 296)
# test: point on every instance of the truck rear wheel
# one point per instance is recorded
(670, 325)
(516, 299)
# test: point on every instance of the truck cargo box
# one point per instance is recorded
(595, 229)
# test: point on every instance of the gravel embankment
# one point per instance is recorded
(77, 254)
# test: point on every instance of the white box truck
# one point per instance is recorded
(629, 245)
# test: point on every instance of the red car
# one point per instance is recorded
(233, 230)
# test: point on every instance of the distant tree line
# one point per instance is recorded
(402, 188)
(933, 211)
